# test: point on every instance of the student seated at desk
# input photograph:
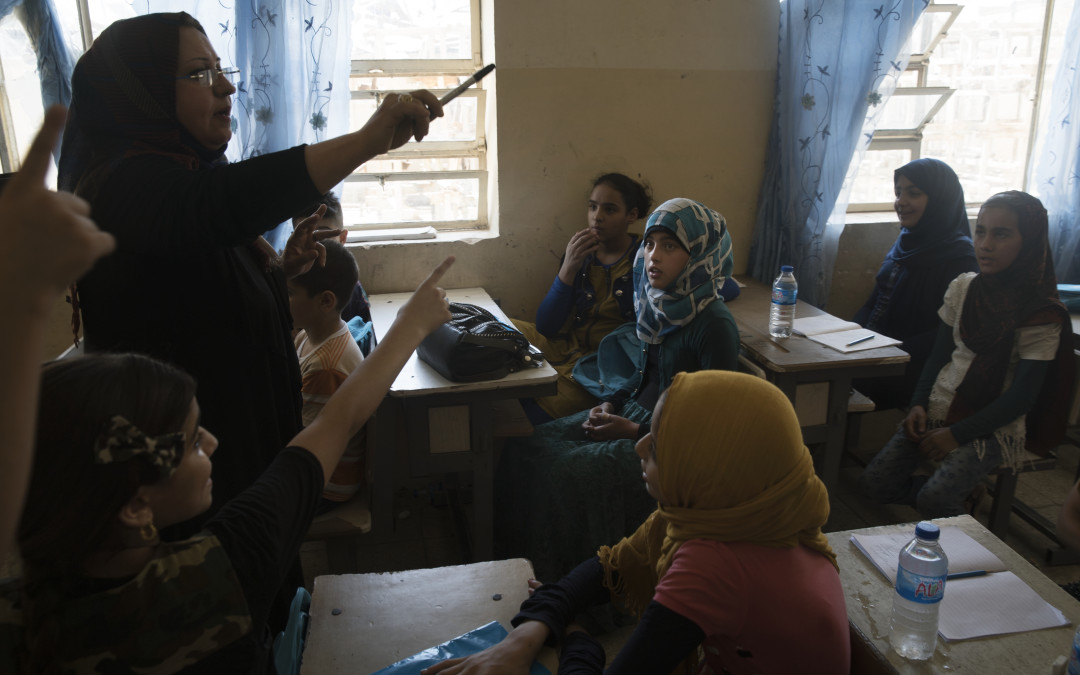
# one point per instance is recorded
(593, 293)
(572, 485)
(120, 453)
(999, 378)
(328, 354)
(933, 248)
(733, 559)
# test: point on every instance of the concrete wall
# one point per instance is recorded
(679, 93)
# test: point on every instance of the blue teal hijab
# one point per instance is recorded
(701, 231)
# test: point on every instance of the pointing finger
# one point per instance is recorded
(438, 272)
(39, 158)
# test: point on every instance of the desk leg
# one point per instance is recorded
(836, 418)
(483, 481)
(382, 467)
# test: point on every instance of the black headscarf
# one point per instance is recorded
(943, 231)
(911, 283)
(1024, 294)
(124, 102)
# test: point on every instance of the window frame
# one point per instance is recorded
(477, 147)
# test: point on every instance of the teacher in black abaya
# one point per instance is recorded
(191, 281)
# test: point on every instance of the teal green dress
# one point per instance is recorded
(560, 496)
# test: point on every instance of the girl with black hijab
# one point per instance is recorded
(934, 247)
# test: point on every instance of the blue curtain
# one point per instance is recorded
(55, 62)
(837, 62)
(1057, 165)
(294, 63)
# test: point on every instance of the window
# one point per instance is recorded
(401, 45)
(397, 45)
(968, 97)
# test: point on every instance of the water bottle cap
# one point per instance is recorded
(927, 530)
(786, 268)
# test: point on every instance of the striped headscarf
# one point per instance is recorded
(743, 476)
(703, 233)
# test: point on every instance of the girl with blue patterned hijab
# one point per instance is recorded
(703, 234)
(576, 482)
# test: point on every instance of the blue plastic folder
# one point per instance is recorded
(474, 641)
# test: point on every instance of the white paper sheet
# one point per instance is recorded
(994, 604)
(964, 553)
(836, 333)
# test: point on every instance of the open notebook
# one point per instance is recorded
(994, 604)
(832, 332)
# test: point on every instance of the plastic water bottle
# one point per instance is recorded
(782, 313)
(920, 585)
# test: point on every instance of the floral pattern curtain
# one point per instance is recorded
(294, 63)
(55, 62)
(838, 61)
(1057, 166)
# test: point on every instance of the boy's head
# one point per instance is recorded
(321, 293)
(331, 220)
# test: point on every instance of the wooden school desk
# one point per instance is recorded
(816, 378)
(387, 617)
(383, 618)
(868, 595)
(448, 423)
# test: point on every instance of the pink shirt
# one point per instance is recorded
(763, 610)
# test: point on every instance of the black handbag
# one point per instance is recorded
(473, 345)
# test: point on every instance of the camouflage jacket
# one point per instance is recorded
(184, 606)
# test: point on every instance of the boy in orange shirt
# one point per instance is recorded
(328, 353)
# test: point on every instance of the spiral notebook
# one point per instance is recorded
(973, 606)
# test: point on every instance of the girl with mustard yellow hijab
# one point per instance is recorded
(733, 559)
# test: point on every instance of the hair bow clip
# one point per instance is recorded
(121, 440)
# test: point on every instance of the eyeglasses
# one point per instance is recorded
(210, 76)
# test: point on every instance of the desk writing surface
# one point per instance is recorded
(868, 596)
(418, 378)
(390, 616)
(751, 312)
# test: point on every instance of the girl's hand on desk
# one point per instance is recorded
(577, 249)
(938, 443)
(512, 656)
(915, 423)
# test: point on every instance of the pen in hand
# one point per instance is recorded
(858, 340)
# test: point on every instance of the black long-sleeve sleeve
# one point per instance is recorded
(661, 640)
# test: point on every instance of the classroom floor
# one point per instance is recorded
(428, 534)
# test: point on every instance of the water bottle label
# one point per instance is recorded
(781, 296)
(917, 588)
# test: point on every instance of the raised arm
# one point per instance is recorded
(398, 120)
(358, 397)
(48, 242)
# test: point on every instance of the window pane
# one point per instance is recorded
(927, 28)
(458, 122)
(874, 184)
(407, 201)
(21, 84)
(411, 29)
(991, 57)
(105, 12)
(907, 111)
